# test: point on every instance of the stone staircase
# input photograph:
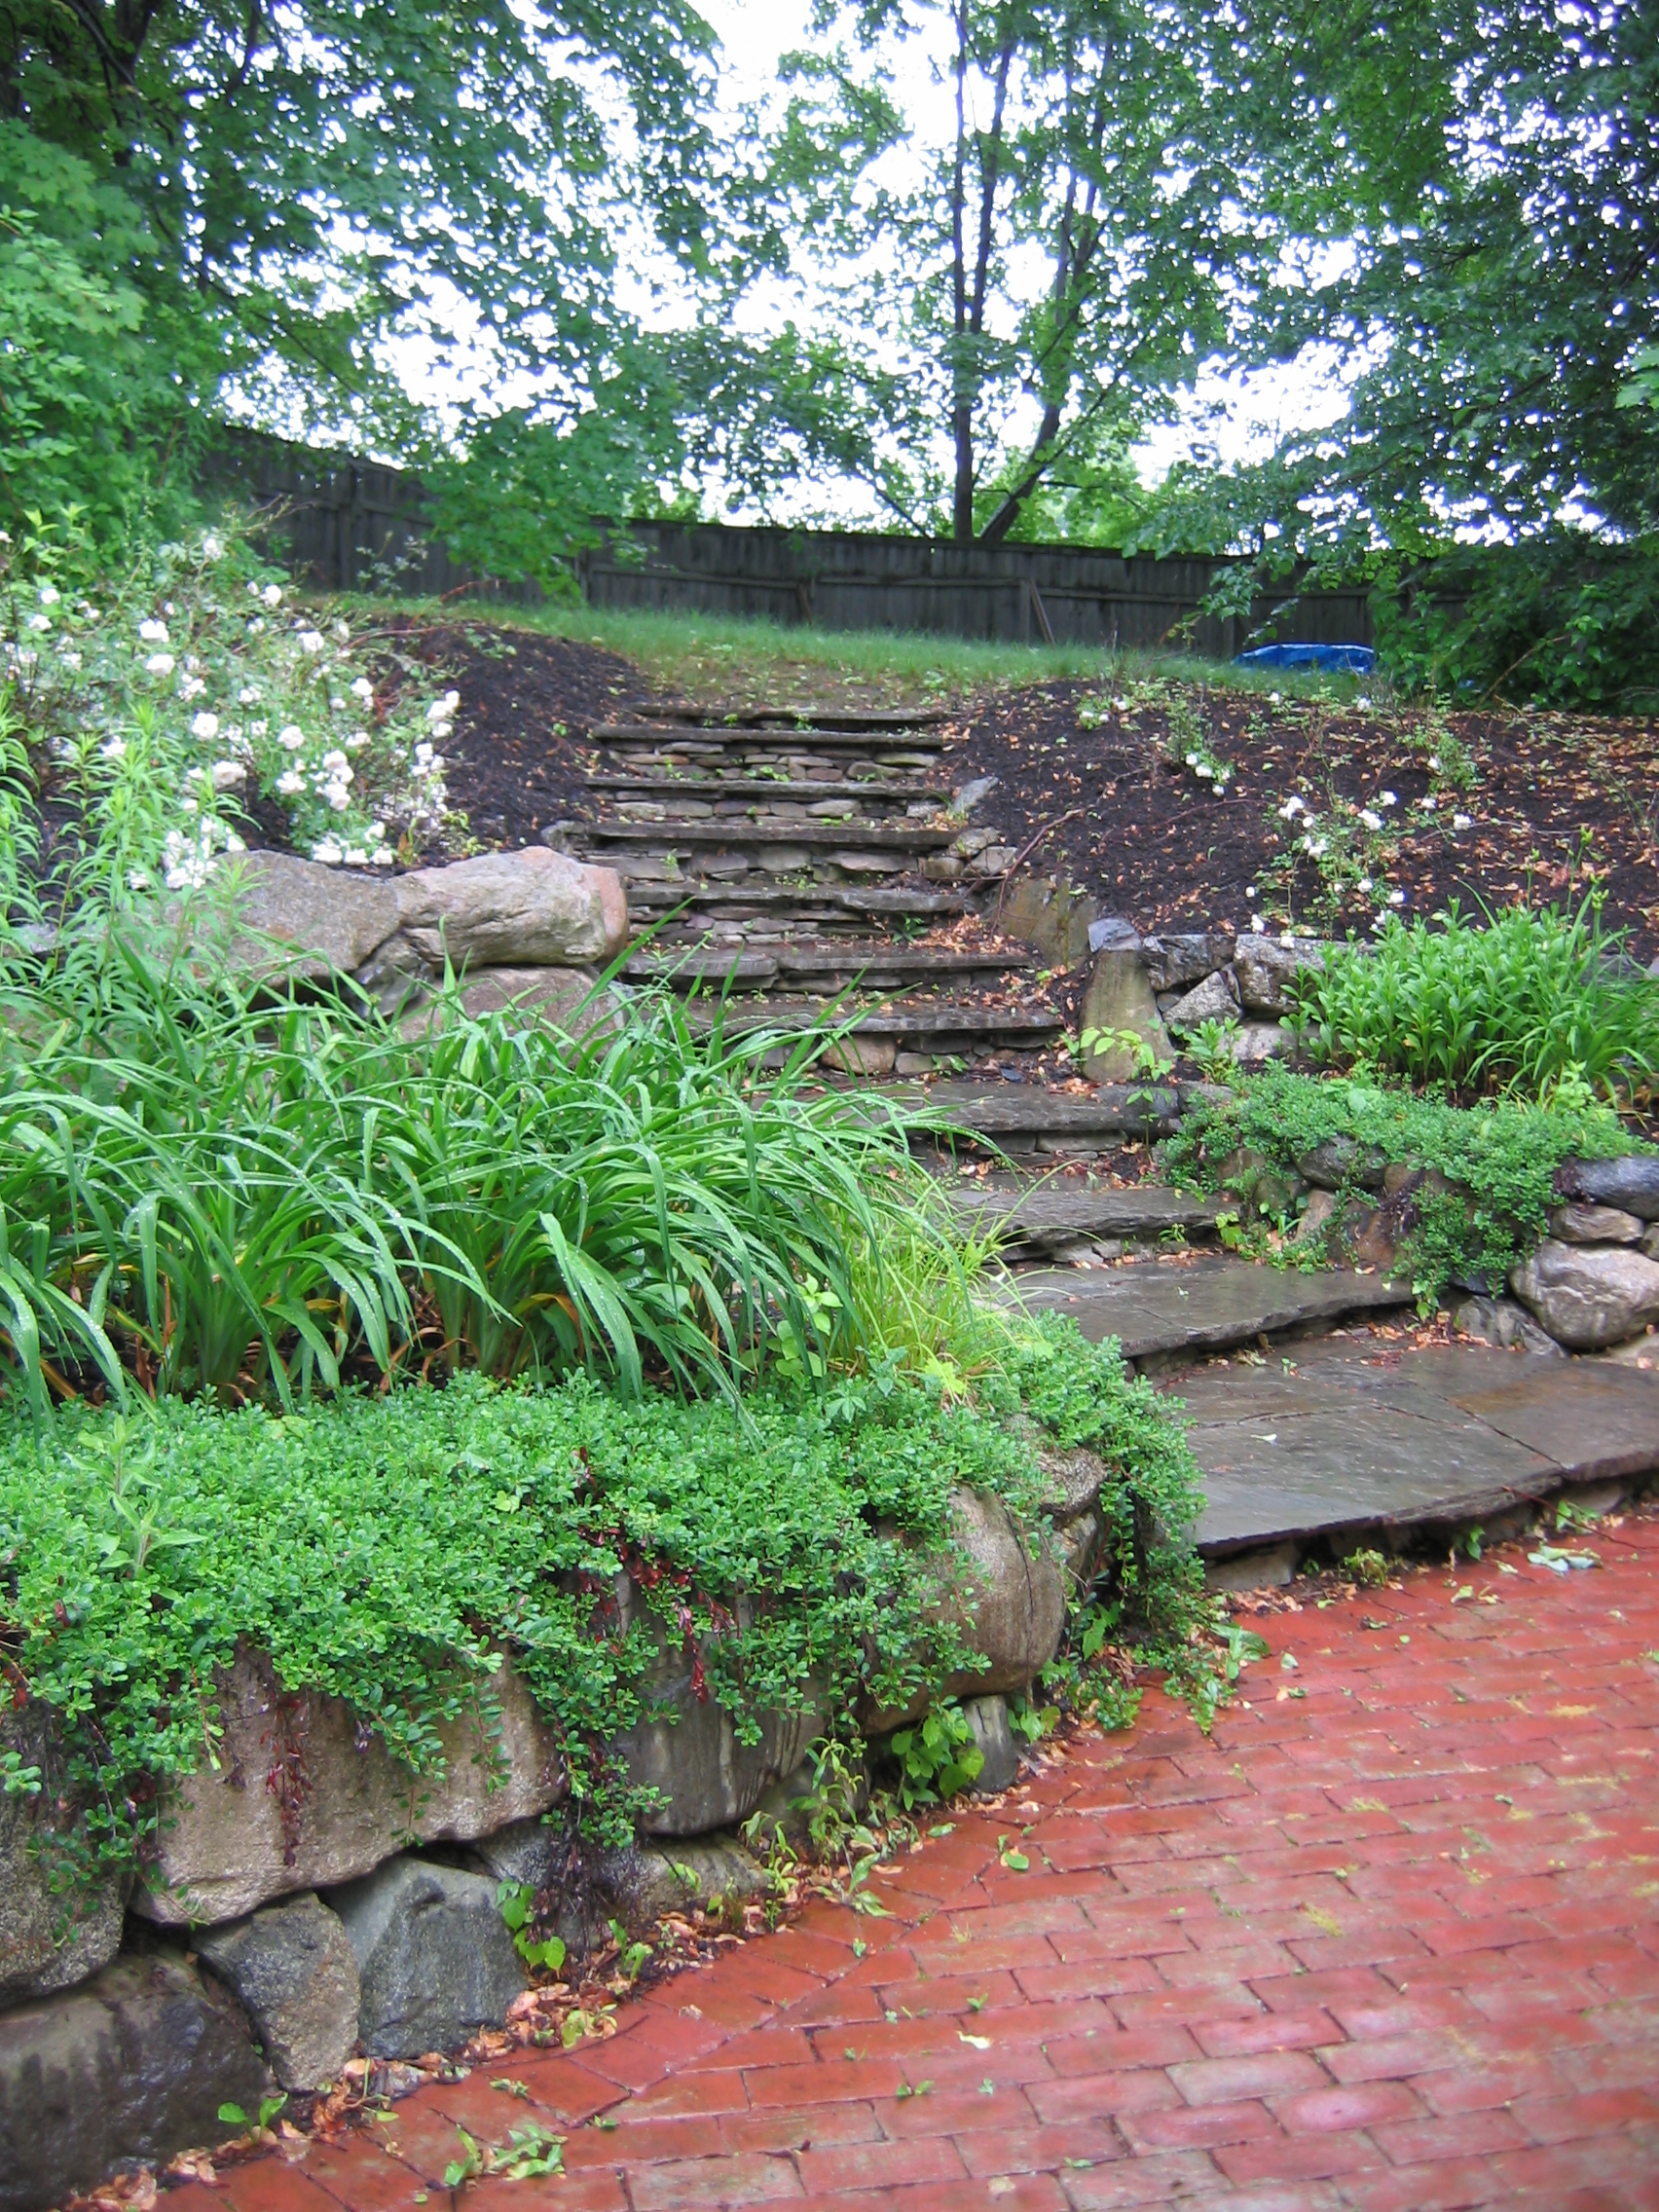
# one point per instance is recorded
(788, 860)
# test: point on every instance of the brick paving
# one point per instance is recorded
(1390, 1940)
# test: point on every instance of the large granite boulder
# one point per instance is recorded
(324, 921)
(1175, 957)
(49, 1938)
(1631, 1183)
(1119, 1001)
(1015, 1597)
(1588, 1297)
(1263, 966)
(295, 1975)
(686, 1750)
(436, 1960)
(230, 1840)
(534, 908)
(131, 2067)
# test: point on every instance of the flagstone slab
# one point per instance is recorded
(1204, 1305)
(1040, 1216)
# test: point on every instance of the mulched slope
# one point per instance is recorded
(1561, 805)
(1154, 844)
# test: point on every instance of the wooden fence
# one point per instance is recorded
(354, 526)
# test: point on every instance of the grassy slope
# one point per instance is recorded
(741, 661)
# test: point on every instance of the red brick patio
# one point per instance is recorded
(1390, 1940)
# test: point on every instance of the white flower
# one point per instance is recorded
(1434, 763)
(137, 880)
(290, 783)
(438, 763)
(377, 832)
(1204, 772)
(291, 737)
(1275, 699)
(1463, 822)
(212, 548)
(356, 741)
(160, 664)
(257, 729)
(1224, 774)
(336, 760)
(193, 775)
(255, 627)
(441, 730)
(382, 856)
(357, 857)
(247, 696)
(190, 806)
(309, 641)
(1192, 760)
(40, 621)
(48, 595)
(205, 726)
(190, 687)
(1258, 923)
(152, 632)
(363, 688)
(1387, 799)
(1120, 706)
(420, 768)
(1371, 818)
(1315, 846)
(1249, 890)
(1396, 898)
(227, 772)
(115, 750)
(1363, 704)
(1287, 936)
(272, 595)
(328, 852)
(338, 798)
(443, 710)
(168, 607)
(1428, 805)
(70, 660)
(233, 843)
(1365, 883)
(1381, 922)
(1291, 809)
(341, 633)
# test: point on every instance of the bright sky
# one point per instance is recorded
(1232, 417)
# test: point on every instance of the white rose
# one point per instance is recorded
(40, 622)
(363, 688)
(152, 632)
(227, 772)
(291, 737)
(247, 696)
(272, 595)
(328, 852)
(205, 726)
(115, 750)
(160, 664)
(309, 641)
(48, 595)
(290, 783)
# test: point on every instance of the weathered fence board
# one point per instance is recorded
(355, 526)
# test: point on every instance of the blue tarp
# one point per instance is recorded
(1359, 660)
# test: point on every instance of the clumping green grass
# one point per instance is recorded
(742, 661)
(1529, 1002)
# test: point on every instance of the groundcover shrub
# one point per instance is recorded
(1502, 1154)
(1531, 1000)
(388, 1547)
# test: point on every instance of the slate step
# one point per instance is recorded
(899, 749)
(689, 713)
(1018, 1117)
(1205, 1306)
(1041, 1217)
(931, 1026)
(875, 967)
(806, 904)
(1349, 1449)
(673, 836)
(721, 789)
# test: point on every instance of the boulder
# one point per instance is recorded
(1015, 1597)
(394, 975)
(1263, 964)
(1339, 1160)
(1259, 1040)
(1120, 998)
(1588, 1297)
(49, 1939)
(1176, 957)
(1318, 1214)
(530, 908)
(1074, 1481)
(969, 796)
(686, 1747)
(855, 1055)
(1579, 1222)
(987, 1718)
(295, 1975)
(1215, 999)
(1112, 933)
(132, 2066)
(225, 1844)
(1499, 1321)
(558, 998)
(436, 1960)
(711, 1874)
(333, 918)
(1050, 916)
(1632, 1184)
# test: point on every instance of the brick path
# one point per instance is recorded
(1390, 1940)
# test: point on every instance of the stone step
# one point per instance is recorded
(877, 967)
(1041, 1217)
(918, 748)
(1349, 1447)
(1022, 1116)
(688, 712)
(809, 904)
(678, 837)
(1161, 1308)
(930, 1025)
(722, 790)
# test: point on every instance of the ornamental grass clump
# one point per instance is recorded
(203, 1190)
(1533, 999)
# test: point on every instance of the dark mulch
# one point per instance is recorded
(1561, 806)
